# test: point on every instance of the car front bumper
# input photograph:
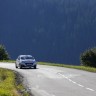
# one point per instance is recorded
(28, 64)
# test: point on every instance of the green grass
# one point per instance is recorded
(10, 61)
(85, 68)
(8, 84)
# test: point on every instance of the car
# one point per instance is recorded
(25, 61)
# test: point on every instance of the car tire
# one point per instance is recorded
(20, 66)
(35, 67)
(16, 66)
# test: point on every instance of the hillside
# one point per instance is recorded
(51, 30)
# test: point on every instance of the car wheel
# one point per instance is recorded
(30, 67)
(16, 65)
(35, 67)
(20, 66)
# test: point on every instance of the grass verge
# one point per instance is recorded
(10, 61)
(85, 68)
(11, 84)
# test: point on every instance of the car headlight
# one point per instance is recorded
(22, 62)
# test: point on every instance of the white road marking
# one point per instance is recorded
(66, 76)
(76, 82)
(80, 85)
(90, 89)
(70, 80)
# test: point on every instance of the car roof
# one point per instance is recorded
(25, 55)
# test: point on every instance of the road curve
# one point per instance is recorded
(57, 81)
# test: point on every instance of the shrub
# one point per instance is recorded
(3, 53)
(88, 58)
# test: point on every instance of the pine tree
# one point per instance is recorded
(3, 53)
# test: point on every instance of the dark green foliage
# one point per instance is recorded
(3, 53)
(88, 58)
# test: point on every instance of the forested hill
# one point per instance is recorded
(51, 30)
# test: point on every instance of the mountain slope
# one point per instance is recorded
(52, 30)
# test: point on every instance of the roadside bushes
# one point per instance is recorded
(88, 58)
(3, 53)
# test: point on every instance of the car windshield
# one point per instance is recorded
(29, 57)
(22, 58)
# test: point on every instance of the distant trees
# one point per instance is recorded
(3, 53)
(88, 58)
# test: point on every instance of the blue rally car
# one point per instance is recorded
(25, 61)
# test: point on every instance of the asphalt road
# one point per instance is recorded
(57, 81)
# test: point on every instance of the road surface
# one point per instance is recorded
(57, 81)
